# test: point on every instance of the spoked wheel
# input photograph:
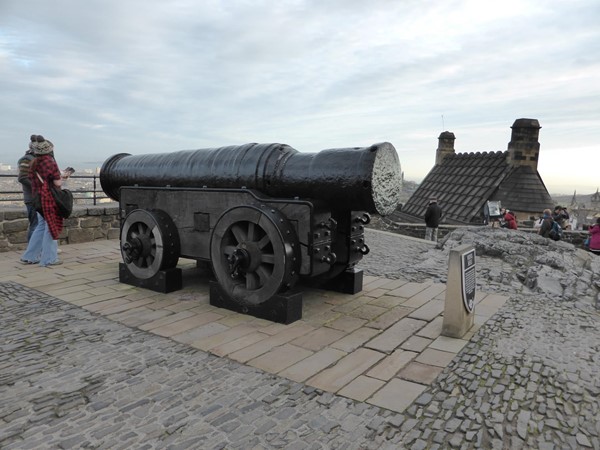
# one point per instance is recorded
(149, 242)
(254, 253)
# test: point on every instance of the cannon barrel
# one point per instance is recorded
(366, 179)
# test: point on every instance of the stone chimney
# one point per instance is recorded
(445, 146)
(524, 148)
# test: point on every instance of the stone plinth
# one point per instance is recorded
(460, 292)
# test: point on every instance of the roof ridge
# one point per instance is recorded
(490, 153)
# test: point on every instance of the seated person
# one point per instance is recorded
(547, 222)
(561, 216)
(510, 220)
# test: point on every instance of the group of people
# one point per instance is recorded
(38, 170)
(507, 219)
(433, 216)
(553, 222)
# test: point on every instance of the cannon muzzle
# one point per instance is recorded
(365, 179)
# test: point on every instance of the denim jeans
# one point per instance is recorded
(32, 216)
(42, 248)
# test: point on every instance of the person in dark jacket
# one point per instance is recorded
(547, 222)
(432, 220)
(24, 164)
(561, 216)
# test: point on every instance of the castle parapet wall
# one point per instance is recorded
(86, 224)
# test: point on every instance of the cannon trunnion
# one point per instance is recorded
(259, 246)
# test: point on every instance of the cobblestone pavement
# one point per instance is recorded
(71, 379)
(389, 259)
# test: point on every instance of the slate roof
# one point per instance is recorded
(524, 190)
(464, 182)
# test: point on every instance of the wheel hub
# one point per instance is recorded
(245, 258)
(131, 250)
(239, 261)
(136, 247)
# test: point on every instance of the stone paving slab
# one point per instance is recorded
(280, 358)
(345, 370)
(397, 394)
(361, 388)
(235, 345)
(391, 364)
(356, 339)
(418, 372)
(313, 364)
(395, 335)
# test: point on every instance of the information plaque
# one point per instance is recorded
(468, 280)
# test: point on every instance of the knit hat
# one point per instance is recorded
(41, 146)
(32, 140)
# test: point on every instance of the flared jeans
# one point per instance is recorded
(42, 248)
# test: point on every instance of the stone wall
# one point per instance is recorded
(86, 224)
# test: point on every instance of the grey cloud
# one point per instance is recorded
(153, 76)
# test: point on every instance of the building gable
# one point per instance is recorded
(462, 183)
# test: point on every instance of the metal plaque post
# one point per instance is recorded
(460, 292)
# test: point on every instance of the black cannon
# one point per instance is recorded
(263, 215)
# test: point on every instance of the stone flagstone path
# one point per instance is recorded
(381, 346)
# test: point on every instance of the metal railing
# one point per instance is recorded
(85, 188)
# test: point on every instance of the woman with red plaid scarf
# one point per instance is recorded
(43, 245)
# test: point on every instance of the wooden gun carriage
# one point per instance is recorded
(264, 215)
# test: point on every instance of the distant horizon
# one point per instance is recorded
(553, 190)
(313, 75)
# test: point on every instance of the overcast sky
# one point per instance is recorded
(99, 77)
